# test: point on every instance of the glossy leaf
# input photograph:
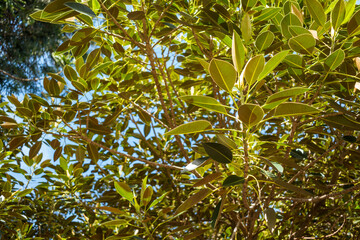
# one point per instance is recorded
(93, 152)
(194, 199)
(353, 27)
(206, 102)
(272, 64)
(253, 69)
(238, 52)
(16, 142)
(223, 74)
(334, 60)
(34, 150)
(316, 11)
(115, 223)
(267, 13)
(338, 14)
(233, 180)
(270, 217)
(304, 44)
(250, 114)
(248, 4)
(81, 8)
(289, 19)
(279, 97)
(192, 127)
(264, 40)
(293, 109)
(124, 190)
(218, 152)
(349, 9)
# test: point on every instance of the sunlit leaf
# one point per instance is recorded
(238, 52)
(250, 114)
(192, 127)
(206, 102)
(223, 73)
(253, 69)
(81, 8)
(272, 64)
(334, 60)
(124, 190)
(293, 109)
(194, 199)
(195, 164)
(304, 43)
(316, 11)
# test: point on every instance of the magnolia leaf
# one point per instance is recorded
(93, 152)
(278, 98)
(17, 142)
(192, 127)
(206, 102)
(115, 223)
(194, 199)
(226, 141)
(349, 9)
(293, 109)
(215, 214)
(218, 152)
(246, 27)
(316, 11)
(209, 178)
(264, 40)
(289, 19)
(303, 43)
(338, 14)
(273, 63)
(267, 13)
(292, 187)
(223, 74)
(270, 217)
(250, 114)
(80, 8)
(238, 52)
(353, 27)
(334, 60)
(253, 69)
(124, 190)
(34, 150)
(233, 180)
(136, 15)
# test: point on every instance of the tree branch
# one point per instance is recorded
(18, 78)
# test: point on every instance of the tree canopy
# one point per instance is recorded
(192, 119)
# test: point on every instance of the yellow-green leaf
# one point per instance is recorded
(272, 64)
(223, 74)
(93, 152)
(205, 102)
(124, 190)
(238, 52)
(293, 109)
(194, 199)
(303, 43)
(334, 60)
(253, 69)
(264, 40)
(279, 97)
(250, 114)
(316, 11)
(245, 26)
(192, 127)
(338, 14)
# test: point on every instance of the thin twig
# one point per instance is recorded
(18, 78)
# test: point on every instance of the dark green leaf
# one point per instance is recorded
(81, 8)
(233, 180)
(218, 152)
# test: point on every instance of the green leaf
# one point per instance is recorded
(304, 43)
(238, 52)
(264, 40)
(115, 223)
(353, 27)
(205, 102)
(136, 15)
(338, 14)
(248, 4)
(25, 192)
(272, 64)
(70, 73)
(233, 180)
(147, 196)
(245, 26)
(277, 98)
(316, 11)
(270, 217)
(216, 214)
(93, 152)
(159, 199)
(350, 8)
(223, 73)
(195, 164)
(207, 179)
(267, 13)
(192, 127)
(293, 109)
(253, 69)
(112, 117)
(297, 30)
(218, 152)
(342, 122)
(334, 60)
(250, 114)
(289, 19)
(226, 141)
(124, 190)
(194, 199)
(80, 8)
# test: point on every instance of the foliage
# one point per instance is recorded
(26, 46)
(190, 120)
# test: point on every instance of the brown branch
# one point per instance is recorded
(18, 78)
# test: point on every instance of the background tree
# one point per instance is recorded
(191, 120)
(26, 46)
